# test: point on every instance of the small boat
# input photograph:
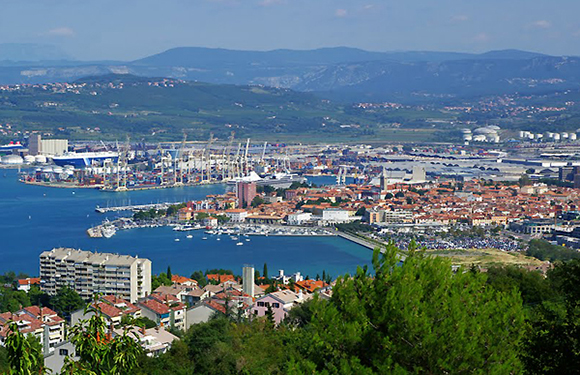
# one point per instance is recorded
(204, 238)
(239, 244)
(189, 236)
(219, 239)
(176, 240)
(247, 240)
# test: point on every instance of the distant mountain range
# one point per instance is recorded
(338, 73)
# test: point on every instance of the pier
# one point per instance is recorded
(365, 243)
(136, 207)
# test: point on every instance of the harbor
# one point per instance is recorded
(48, 218)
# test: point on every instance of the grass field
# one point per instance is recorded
(485, 257)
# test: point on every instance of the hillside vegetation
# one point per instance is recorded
(113, 106)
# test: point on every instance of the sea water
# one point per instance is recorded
(34, 219)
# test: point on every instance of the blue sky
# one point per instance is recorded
(130, 29)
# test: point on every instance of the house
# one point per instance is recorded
(25, 284)
(43, 323)
(236, 215)
(182, 280)
(178, 291)
(203, 312)
(279, 302)
(311, 286)
(55, 361)
(220, 278)
(112, 308)
(169, 312)
(285, 279)
(155, 341)
(186, 213)
(210, 221)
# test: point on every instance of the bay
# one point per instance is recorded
(34, 219)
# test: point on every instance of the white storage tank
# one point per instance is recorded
(29, 159)
(12, 159)
(530, 135)
(564, 135)
(550, 135)
(467, 137)
(539, 136)
(41, 159)
(573, 136)
(556, 136)
(479, 138)
(522, 134)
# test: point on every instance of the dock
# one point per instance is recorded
(365, 243)
(135, 207)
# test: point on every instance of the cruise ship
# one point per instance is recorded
(277, 180)
(84, 159)
(11, 146)
(281, 180)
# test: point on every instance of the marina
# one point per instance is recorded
(47, 218)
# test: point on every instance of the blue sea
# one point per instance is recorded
(34, 219)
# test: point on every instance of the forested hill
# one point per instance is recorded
(112, 106)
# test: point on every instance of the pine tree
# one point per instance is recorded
(265, 271)
(169, 275)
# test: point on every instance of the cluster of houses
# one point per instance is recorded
(473, 202)
(169, 307)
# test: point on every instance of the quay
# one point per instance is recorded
(357, 240)
(137, 207)
(365, 243)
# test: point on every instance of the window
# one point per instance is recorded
(261, 304)
(63, 352)
(275, 305)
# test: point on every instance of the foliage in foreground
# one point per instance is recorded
(416, 317)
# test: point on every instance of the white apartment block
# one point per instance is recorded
(88, 273)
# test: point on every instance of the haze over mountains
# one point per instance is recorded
(347, 74)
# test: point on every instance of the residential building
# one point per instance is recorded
(245, 192)
(299, 218)
(236, 215)
(25, 284)
(164, 311)
(55, 361)
(278, 302)
(43, 323)
(335, 215)
(112, 308)
(155, 341)
(88, 273)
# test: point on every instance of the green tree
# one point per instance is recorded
(98, 352)
(257, 201)
(200, 278)
(533, 287)
(162, 279)
(417, 317)
(552, 343)
(169, 274)
(66, 301)
(24, 353)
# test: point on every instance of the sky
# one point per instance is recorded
(131, 29)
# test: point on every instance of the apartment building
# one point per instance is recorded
(41, 322)
(88, 273)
